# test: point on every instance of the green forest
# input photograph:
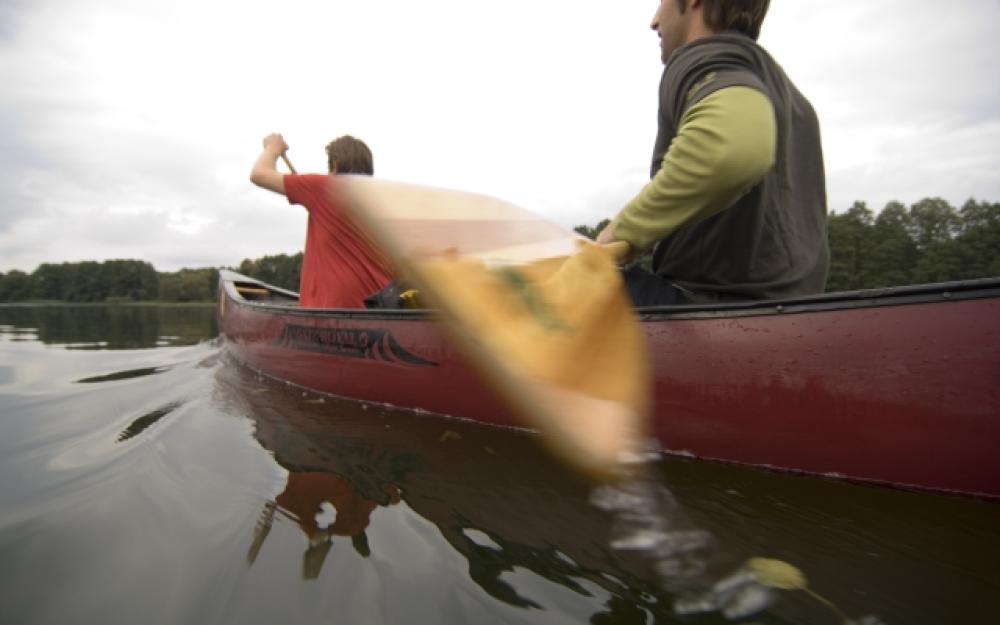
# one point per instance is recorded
(123, 281)
(931, 241)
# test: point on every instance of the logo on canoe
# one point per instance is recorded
(373, 344)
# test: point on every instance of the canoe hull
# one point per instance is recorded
(906, 395)
(900, 387)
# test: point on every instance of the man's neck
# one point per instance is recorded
(698, 29)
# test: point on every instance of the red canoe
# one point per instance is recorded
(897, 386)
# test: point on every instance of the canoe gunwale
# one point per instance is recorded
(845, 300)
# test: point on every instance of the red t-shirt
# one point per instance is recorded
(339, 267)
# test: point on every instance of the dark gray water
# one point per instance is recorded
(144, 478)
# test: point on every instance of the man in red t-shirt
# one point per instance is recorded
(340, 267)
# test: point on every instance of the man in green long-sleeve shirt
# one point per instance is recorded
(736, 207)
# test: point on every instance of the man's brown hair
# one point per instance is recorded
(347, 155)
(744, 16)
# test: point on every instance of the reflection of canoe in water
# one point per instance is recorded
(516, 517)
(898, 386)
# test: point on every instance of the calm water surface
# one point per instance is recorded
(145, 478)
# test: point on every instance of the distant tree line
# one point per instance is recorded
(280, 270)
(112, 281)
(117, 281)
(930, 241)
(189, 285)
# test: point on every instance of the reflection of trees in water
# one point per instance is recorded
(136, 427)
(489, 562)
(127, 374)
(112, 327)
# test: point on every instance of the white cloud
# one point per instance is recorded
(904, 92)
(128, 127)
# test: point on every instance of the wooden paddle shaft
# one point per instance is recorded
(288, 163)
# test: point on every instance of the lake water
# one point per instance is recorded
(145, 478)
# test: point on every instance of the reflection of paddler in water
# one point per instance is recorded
(303, 501)
(494, 495)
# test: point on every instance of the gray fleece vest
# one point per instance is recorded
(772, 242)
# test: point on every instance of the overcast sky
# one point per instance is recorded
(128, 127)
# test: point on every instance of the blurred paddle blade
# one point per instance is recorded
(539, 311)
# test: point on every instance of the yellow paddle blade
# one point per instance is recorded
(539, 311)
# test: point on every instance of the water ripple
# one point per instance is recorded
(123, 375)
(136, 427)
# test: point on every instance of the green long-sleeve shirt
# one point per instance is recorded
(723, 148)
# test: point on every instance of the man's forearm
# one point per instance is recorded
(265, 172)
(265, 169)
